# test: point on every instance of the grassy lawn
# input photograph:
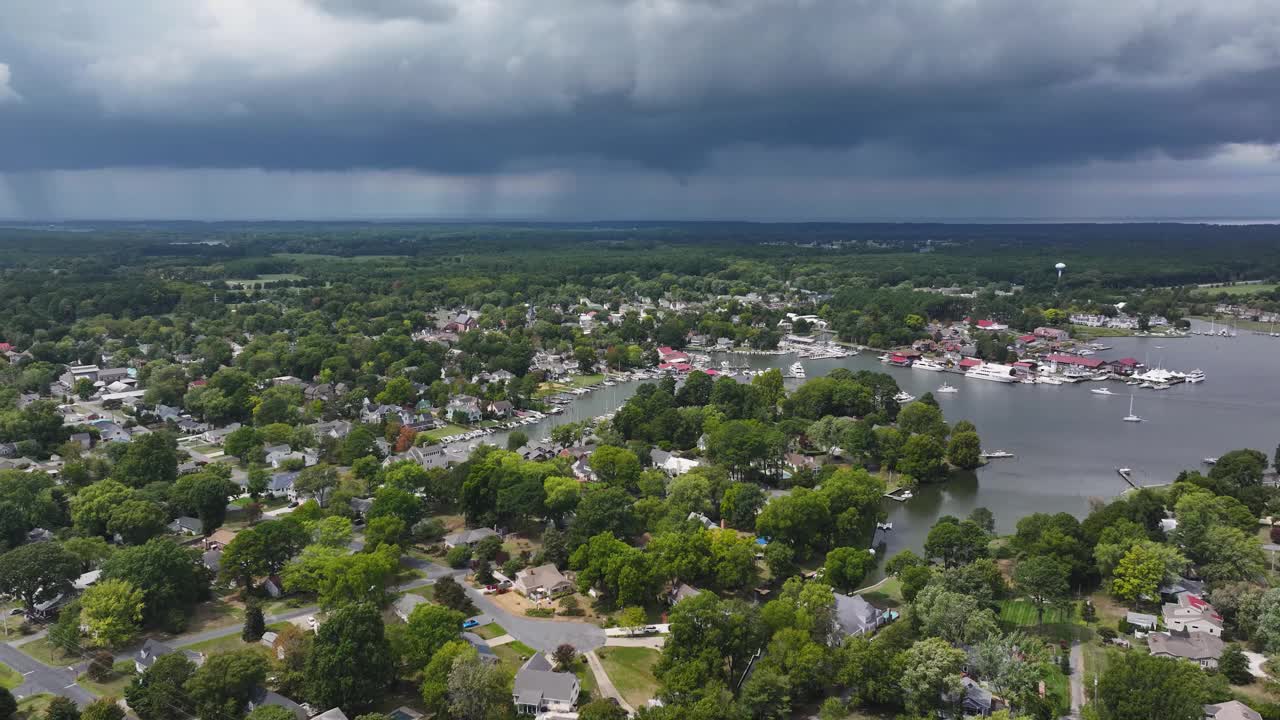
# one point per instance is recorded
(586, 380)
(440, 432)
(230, 642)
(1058, 687)
(1095, 661)
(885, 595)
(121, 675)
(267, 503)
(49, 655)
(511, 654)
(631, 670)
(214, 614)
(1084, 332)
(1059, 624)
(9, 678)
(586, 679)
(490, 631)
(30, 708)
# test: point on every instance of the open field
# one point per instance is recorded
(631, 670)
(305, 257)
(440, 432)
(228, 643)
(1238, 289)
(269, 278)
(513, 654)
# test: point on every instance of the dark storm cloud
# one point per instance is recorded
(474, 86)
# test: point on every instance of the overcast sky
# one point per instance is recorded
(636, 109)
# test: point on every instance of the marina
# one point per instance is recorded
(1069, 442)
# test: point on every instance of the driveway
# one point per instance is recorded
(605, 685)
(1256, 662)
(1077, 679)
(40, 678)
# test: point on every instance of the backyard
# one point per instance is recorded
(631, 670)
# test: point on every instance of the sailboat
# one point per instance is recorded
(1131, 417)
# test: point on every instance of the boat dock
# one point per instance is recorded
(901, 494)
(1127, 475)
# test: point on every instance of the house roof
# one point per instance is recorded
(684, 592)
(222, 536)
(1189, 645)
(536, 681)
(1231, 710)
(334, 714)
(407, 602)
(1087, 362)
(469, 537)
(543, 576)
(1140, 619)
(854, 614)
(262, 696)
(189, 524)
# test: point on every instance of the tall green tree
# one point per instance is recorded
(37, 572)
(149, 458)
(222, 686)
(159, 692)
(1043, 580)
(351, 664)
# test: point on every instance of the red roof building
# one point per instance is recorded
(970, 362)
(1077, 360)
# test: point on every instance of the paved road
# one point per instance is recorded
(604, 684)
(1077, 679)
(541, 635)
(40, 678)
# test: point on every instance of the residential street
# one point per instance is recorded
(40, 678)
(604, 684)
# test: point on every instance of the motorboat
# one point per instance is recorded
(904, 397)
(1102, 391)
(947, 388)
(927, 364)
(1195, 376)
(1131, 417)
(1210, 461)
(996, 455)
(797, 370)
(1048, 380)
(1160, 386)
(885, 358)
(993, 372)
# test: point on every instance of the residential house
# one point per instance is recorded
(672, 465)
(84, 440)
(468, 537)
(262, 697)
(462, 322)
(702, 520)
(336, 429)
(1193, 613)
(212, 559)
(278, 455)
(331, 714)
(153, 650)
(281, 485)
(38, 535)
(856, 616)
(544, 581)
(539, 689)
(1142, 621)
(467, 405)
(1230, 710)
(1198, 647)
(681, 592)
(87, 580)
(975, 700)
(405, 605)
(274, 586)
(501, 409)
(186, 526)
(216, 436)
(360, 506)
(1052, 334)
(482, 647)
(376, 414)
(220, 538)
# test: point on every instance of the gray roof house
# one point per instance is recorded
(468, 537)
(1198, 647)
(1231, 710)
(331, 714)
(682, 592)
(406, 604)
(539, 689)
(153, 650)
(187, 526)
(262, 697)
(1141, 620)
(856, 616)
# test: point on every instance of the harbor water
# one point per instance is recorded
(1066, 440)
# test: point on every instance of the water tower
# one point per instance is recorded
(1060, 267)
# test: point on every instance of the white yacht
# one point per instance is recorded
(1210, 461)
(1160, 386)
(927, 364)
(996, 455)
(797, 370)
(947, 388)
(903, 397)
(1131, 417)
(1048, 380)
(1102, 391)
(1195, 376)
(884, 358)
(993, 372)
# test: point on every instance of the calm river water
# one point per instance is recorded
(1068, 441)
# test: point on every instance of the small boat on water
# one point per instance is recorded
(1131, 417)
(1195, 376)
(1160, 386)
(1210, 461)
(1102, 391)
(884, 526)
(797, 370)
(947, 388)
(996, 455)
(885, 358)
(904, 397)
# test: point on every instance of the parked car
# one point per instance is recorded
(470, 624)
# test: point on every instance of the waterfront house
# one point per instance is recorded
(539, 689)
(856, 616)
